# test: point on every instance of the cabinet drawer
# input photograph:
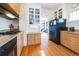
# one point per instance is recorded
(30, 36)
(31, 42)
(37, 41)
(73, 35)
(37, 36)
(34, 38)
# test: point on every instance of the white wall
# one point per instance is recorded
(73, 24)
(5, 23)
(23, 21)
(46, 13)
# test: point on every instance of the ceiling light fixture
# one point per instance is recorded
(10, 15)
(74, 5)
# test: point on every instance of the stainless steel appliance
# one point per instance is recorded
(9, 49)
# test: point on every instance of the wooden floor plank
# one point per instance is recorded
(47, 48)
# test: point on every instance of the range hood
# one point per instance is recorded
(6, 14)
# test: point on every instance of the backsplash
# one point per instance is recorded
(73, 24)
(4, 23)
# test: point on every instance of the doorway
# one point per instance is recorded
(44, 31)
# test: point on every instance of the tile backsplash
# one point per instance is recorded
(4, 23)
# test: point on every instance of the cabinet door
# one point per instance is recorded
(31, 15)
(70, 40)
(31, 42)
(14, 8)
(30, 37)
(75, 43)
(37, 16)
(37, 38)
(34, 38)
(65, 39)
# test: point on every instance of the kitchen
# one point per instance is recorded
(20, 29)
(10, 36)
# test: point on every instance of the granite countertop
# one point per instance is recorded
(75, 32)
(6, 38)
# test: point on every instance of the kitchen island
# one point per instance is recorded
(70, 40)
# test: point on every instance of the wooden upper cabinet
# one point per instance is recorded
(14, 8)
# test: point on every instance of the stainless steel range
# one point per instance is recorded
(8, 32)
(9, 49)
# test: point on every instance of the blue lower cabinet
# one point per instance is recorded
(54, 29)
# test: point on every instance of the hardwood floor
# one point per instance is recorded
(46, 48)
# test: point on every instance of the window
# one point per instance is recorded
(74, 15)
(70, 16)
(77, 14)
(60, 13)
(55, 14)
(31, 15)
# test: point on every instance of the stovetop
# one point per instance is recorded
(8, 32)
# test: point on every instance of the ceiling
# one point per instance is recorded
(51, 6)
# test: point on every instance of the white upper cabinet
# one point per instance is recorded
(34, 13)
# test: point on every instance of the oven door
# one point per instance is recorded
(9, 49)
(12, 51)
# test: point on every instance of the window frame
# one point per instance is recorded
(76, 17)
